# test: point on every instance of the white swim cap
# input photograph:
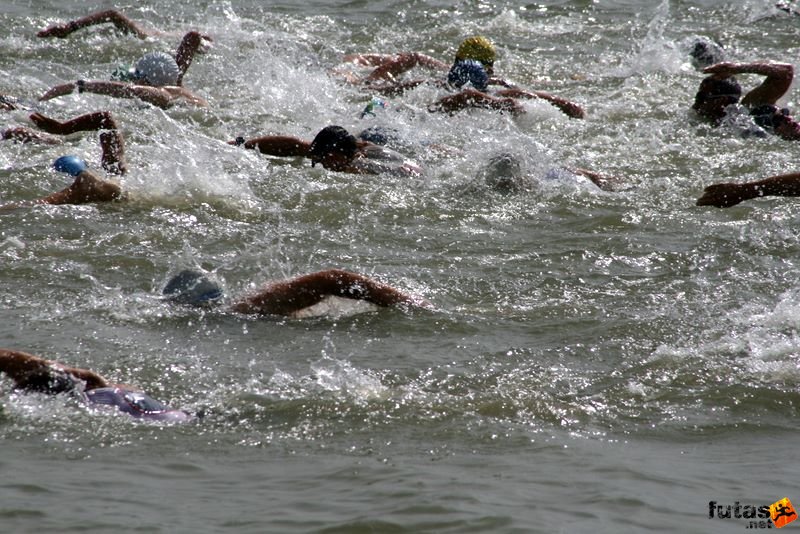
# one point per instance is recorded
(157, 69)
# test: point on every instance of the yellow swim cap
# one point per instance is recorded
(478, 48)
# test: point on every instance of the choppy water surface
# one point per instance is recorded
(595, 362)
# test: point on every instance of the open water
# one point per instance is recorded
(596, 362)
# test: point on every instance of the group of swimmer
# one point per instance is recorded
(157, 79)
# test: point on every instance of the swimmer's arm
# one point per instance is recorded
(289, 296)
(87, 188)
(725, 195)
(779, 79)
(604, 182)
(99, 120)
(470, 98)
(191, 44)
(157, 96)
(92, 379)
(111, 140)
(119, 20)
(20, 365)
(570, 109)
(404, 62)
(24, 135)
(277, 145)
(789, 129)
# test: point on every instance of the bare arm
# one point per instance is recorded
(569, 108)
(87, 188)
(29, 371)
(119, 20)
(778, 79)
(111, 141)
(284, 298)
(24, 135)
(396, 65)
(163, 97)
(277, 145)
(470, 98)
(725, 195)
(604, 182)
(190, 45)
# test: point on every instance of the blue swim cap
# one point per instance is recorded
(193, 288)
(468, 71)
(135, 403)
(70, 164)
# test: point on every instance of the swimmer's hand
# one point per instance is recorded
(726, 195)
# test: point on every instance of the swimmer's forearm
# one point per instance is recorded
(785, 185)
(279, 145)
(119, 20)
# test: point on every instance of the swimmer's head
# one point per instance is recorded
(379, 135)
(72, 165)
(468, 71)
(157, 69)
(193, 288)
(705, 52)
(333, 147)
(503, 172)
(136, 404)
(715, 95)
(478, 48)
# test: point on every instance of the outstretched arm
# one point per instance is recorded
(276, 145)
(115, 17)
(471, 98)
(389, 67)
(725, 195)
(162, 97)
(778, 79)
(604, 182)
(284, 298)
(32, 372)
(25, 135)
(569, 108)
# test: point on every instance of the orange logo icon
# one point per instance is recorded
(782, 513)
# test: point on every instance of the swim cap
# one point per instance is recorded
(135, 403)
(503, 172)
(379, 135)
(370, 107)
(70, 164)
(193, 288)
(157, 69)
(332, 139)
(478, 48)
(468, 71)
(705, 53)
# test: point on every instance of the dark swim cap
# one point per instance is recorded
(705, 53)
(379, 135)
(192, 287)
(715, 88)
(468, 71)
(332, 139)
(136, 404)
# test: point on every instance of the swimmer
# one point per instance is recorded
(192, 43)
(34, 374)
(725, 195)
(720, 92)
(291, 297)
(337, 150)
(86, 188)
(473, 64)
(111, 140)
(504, 172)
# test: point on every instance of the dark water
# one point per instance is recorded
(596, 362)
